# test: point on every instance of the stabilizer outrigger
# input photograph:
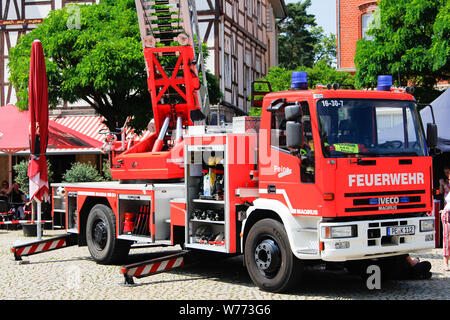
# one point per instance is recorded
(35, 247)
(153, 266)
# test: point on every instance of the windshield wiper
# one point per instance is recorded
(371, 154)
(404, 154)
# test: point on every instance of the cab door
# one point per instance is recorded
(288, 173)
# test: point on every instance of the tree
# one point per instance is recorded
(325, 49)
(297, 41)
(100, 61)
(321, 73)
(82, 172)
(411, 43)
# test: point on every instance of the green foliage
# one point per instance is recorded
(22, 178)
(411, 42)
(106, 171)
(325, 49)
(82, 172)
(320, 73)
(296, 41)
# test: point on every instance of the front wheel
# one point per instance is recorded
(269, 259)
(101, 236)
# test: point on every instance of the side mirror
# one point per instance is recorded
(432, 135)
(292, 113)
(197, 115)
(294, 134)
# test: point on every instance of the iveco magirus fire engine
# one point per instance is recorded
(323, 175)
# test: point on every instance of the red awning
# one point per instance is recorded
(90, 125)
(14, 134)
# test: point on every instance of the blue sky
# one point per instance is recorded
(325, 12)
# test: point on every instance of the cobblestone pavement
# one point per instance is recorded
(70, 274)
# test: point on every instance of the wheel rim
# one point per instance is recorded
(100, 235)
(267, 256)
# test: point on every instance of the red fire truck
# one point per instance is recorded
(323, 175)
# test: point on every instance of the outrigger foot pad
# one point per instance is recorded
(35, 247)
(153, 266)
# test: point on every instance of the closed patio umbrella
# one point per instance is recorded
(38, 106)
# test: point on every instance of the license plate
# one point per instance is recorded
(400, 230)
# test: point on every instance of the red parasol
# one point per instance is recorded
(38, 106)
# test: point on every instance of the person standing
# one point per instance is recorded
(445, 218)
(444, 184)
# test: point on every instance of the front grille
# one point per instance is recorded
(369, 201)
(393, 207)
(385, 201)
(383, 193)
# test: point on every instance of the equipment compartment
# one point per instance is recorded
(135, 215)
(72, 212)
(206, 196)
(58, 206)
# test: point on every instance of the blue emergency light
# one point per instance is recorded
(299, 80)
(384, 83)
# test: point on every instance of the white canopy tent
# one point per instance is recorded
(441, 109)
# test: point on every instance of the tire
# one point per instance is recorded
(101, 237)
(269, 259)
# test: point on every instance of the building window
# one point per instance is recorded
(259, 12)
(269, 18)
(227, 71)
(248, 80)
(366, 22)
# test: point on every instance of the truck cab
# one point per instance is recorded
(348, 174)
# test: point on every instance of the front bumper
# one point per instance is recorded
(372, 240)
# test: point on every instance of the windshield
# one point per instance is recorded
(363, 127)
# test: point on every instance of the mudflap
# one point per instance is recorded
(35, 247)
(153, 266)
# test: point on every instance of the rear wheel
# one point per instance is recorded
(269, 259)
(101, 236)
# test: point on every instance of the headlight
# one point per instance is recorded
(339, 232)
(426, 225)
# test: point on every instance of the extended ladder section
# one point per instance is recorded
(168, 30)
(200, 62)
(159, 19)
(165, 23)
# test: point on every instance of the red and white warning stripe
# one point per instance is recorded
(24, 221)
(35, 247)
(144, 270)
(40, 247)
